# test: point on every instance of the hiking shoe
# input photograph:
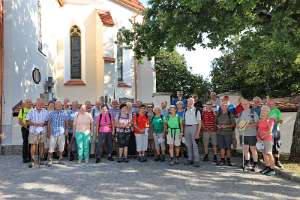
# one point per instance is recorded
(205, 159)
(50, 163)
(189, 162)
(221, 163)
(172, 162)
(266, 169)
(157, 158)
(278, 164)
(79, 161)
(256, 169)
(86, 161)
(98, 160)
(162, 158)
(119, 160)
(126, 159)
(271, 172)
(144, 159)
(176, 161)
(139, 158)
(110, 158)
(229, 163)
(215, 159)
(196, 164)
(31, 165)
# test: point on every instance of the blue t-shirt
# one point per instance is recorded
(180, 114)
(174, 101)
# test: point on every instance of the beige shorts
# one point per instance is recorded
(210, 135)
(57, 141)
(174, 140)
(37, 138)
(268, 147)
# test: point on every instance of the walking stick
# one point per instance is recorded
(38, 147)
(242, 129)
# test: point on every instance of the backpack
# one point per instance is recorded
(137, 116)
(161, 117)
(196, 112)
(228, 113)
(178, 118)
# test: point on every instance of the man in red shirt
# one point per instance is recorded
(141, 125)
(209, 128)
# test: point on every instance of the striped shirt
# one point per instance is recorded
(209, 121)
(57, 120)
(37, 116)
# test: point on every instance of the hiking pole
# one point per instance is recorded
(243, 143)
(38, 147)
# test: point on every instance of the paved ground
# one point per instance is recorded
(135, 180)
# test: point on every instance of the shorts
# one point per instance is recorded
(210, 135)
(37, 138)
(141, 142)
(159, 141)
(276, 145)
(248, 140)
(224, 141)
(123, 139)
(57, 141)
(268, 147)
(174, 139)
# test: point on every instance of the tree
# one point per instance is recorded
(172, 75)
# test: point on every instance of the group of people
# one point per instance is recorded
(84, 130)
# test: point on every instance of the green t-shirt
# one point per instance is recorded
(174, 124)
(157, 123)
(22, 114)
(276, 114)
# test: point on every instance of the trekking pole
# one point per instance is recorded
(243, 142)
(38, 147)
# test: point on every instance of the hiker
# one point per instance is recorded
(123, 124)
(132, 143)
(26, 107)
(96, 110)
(164, 109)
(157, 124)
(141, 125)
(50, 109)
(174, 126)
(180, 109)
(57, 130)
(276, 114)
(82, 128)
(150, 114)
(265, 127)
(37, 120)
(179, 98)
(215, 100)
(197, 103)
(256, 107)
(225, 127)
(106, 130)
(209, 131)
(192, 127)
(114, 110)
(249, 119)
(71, 138)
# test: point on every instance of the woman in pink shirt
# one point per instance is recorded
(265, 126)
(106, 129)
(82, 131)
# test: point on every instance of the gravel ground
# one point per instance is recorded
(133, 180)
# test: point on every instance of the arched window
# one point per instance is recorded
(75, 45)
(119, 58)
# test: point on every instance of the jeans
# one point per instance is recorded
(104, 138)
(26, 145)
(83, 144)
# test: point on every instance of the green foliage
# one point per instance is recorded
(172, 75)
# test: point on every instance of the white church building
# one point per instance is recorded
(68, 48)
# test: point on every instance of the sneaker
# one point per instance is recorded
(215, 159)
(266, 169)
(205, 159)
(110, 158)
(79, 161)
(31, 165)
(221, 162)
(162, 158)
(189, 162)
(50, 163)
(157, 158)
(119, 160)
(256, 169)
(271, 172)
(176, 161)
(172, 162)
(126, 159)
(139, 158)
(98, 160)
(278, 164)
(196, 164)
(144, 159)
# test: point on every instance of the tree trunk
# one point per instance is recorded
(295, 148)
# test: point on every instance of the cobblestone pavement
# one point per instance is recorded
(151, 180)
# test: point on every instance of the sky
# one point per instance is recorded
(200, 59)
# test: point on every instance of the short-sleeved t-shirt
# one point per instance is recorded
(225, 119)
(124, 120)
(142, 122)
(264, 128)
(157, 123)
(180, 114)
(82, 122)
(22, 114)
(209, 120)
(173, 123)
(251, 117)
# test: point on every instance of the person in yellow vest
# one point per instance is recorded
(26, 107)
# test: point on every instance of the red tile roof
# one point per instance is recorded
(135, 4)
(61, 2)
(106, 18)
